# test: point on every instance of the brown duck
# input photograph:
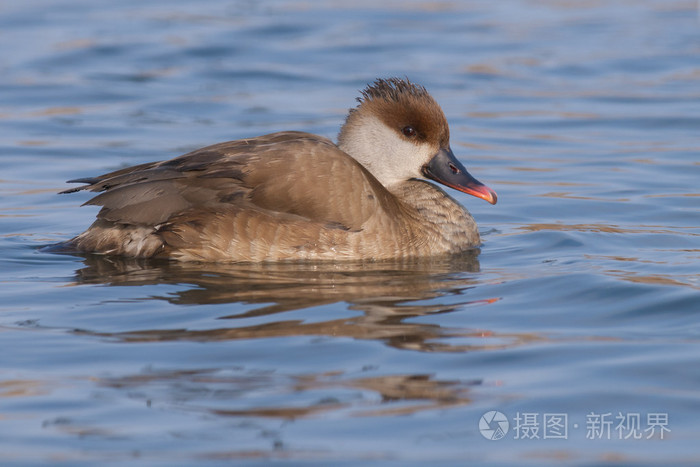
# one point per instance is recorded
(298, 196)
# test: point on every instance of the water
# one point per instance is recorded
(583, 301)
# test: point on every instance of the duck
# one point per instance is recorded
(296, 196)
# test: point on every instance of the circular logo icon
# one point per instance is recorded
(493, 425)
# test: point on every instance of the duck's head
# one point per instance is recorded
(398, 132)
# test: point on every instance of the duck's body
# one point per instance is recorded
(296, 196)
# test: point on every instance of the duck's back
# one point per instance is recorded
(282, 196)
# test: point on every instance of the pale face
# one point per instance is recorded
(389, 155)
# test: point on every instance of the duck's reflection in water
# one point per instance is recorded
(290, 285)
(385, 295)
(239, 392)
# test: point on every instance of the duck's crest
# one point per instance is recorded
(392, 89)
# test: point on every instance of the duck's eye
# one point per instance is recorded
(409, 131)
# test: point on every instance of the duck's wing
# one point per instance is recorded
(285, 174)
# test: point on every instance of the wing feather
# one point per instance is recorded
(293, 173)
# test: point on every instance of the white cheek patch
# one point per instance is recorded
(388, 156)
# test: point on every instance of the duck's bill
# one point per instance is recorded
(446, 169)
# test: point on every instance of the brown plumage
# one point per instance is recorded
(298, 196)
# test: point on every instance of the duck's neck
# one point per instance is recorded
(441, 217)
